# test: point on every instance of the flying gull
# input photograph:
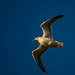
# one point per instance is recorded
(46, 41)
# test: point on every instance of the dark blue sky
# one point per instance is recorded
(20, 23)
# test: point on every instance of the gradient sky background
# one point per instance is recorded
(20, 23)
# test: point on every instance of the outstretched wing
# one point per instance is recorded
(46, 26)
(37, 56)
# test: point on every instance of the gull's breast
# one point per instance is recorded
(45, 42)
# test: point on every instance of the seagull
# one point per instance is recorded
(46, 41)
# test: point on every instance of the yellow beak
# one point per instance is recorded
(34, 40)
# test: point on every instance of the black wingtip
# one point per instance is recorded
(43, 69)
(45, 73)
(63, 14)
(58, 17)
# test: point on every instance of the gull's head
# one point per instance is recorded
(36, 39)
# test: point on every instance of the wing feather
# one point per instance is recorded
(46, 26)
(37, 56)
